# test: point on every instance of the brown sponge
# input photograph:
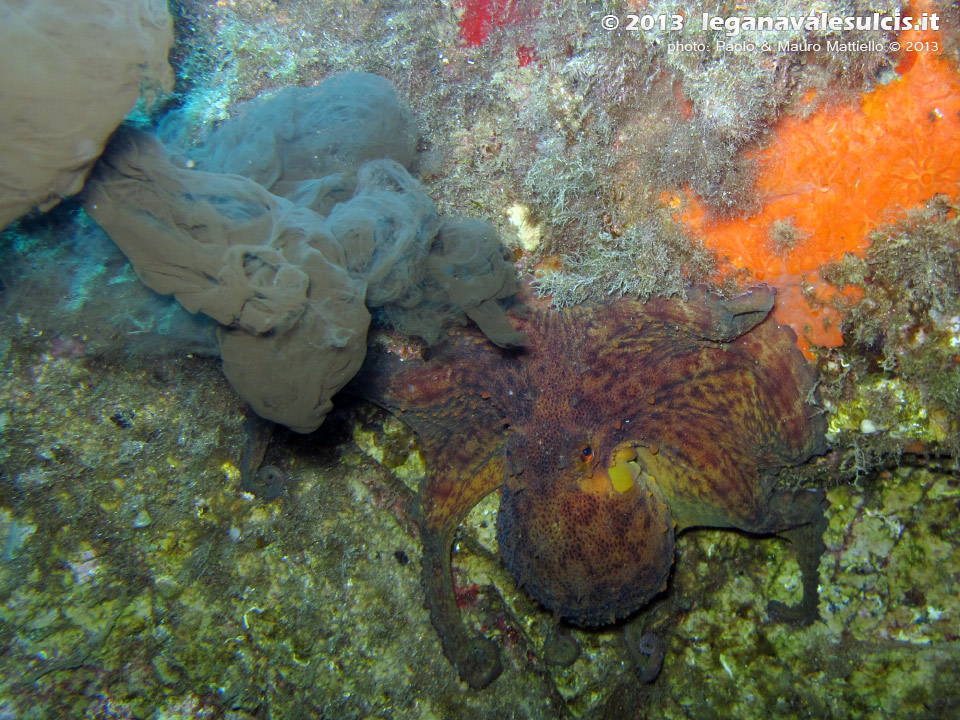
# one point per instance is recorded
(71, 73)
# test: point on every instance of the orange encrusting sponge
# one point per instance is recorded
(839, 173)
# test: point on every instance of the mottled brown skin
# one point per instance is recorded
(710, 395)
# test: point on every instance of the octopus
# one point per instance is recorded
(611, 430)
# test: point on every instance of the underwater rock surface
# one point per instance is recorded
(202, 611)
(139, 580)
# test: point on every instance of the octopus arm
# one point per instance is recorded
(462, 474)
(712, 318)
(460, 429)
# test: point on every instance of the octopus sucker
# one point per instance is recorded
(628, 423)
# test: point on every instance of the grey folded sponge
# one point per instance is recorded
(294, 220)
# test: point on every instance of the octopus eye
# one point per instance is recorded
(586, 452)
